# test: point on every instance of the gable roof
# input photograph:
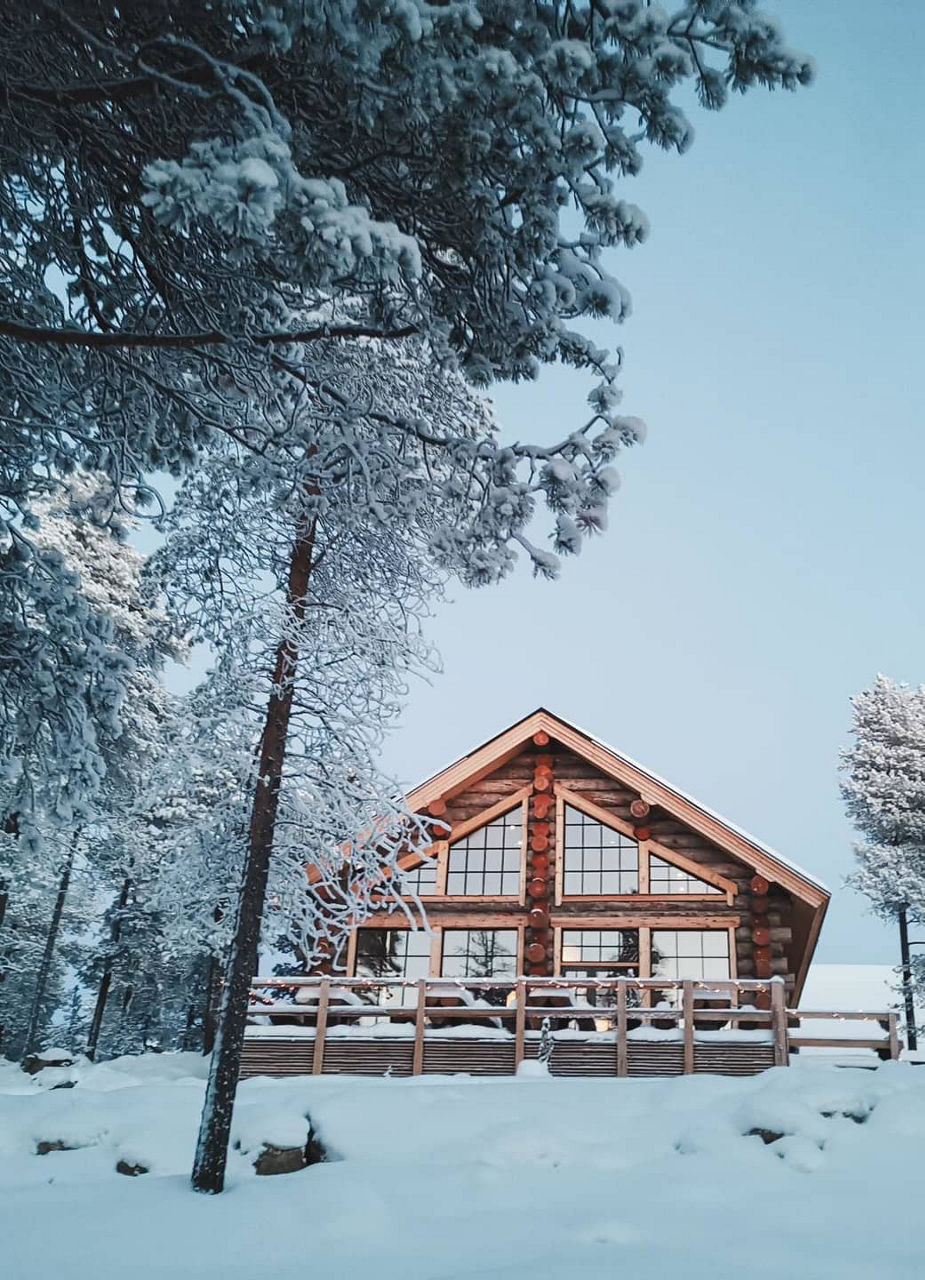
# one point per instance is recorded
(655, 790)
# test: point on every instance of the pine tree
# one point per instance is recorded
(81, 528)
(884, 792)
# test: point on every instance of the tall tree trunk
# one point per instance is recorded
(41, 982)
(11, 828)
(215, 1126)
(210, 1011)
(102, 994)
(908, 992)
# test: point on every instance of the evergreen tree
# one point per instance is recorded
(884, 792)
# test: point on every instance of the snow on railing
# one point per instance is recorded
(688, 1010)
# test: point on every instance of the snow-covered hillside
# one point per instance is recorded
(446, 1178)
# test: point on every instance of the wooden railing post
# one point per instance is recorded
(894, 1036)
(520, 1021)
(779, 1022)
(321, 1026)
(417, 1060)
(687, 1010)
(622, 1059)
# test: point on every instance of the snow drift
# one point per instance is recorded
(809, 1170)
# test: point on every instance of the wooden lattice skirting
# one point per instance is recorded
(491, 1057)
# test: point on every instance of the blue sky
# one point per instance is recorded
(764, 556)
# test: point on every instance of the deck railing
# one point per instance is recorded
(621, 1005)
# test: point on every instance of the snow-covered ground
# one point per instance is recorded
(446, 1178)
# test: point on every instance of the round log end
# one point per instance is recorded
(639, 809)
(759, 886)
(537, 888)
(541, 738)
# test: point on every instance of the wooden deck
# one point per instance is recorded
(304, 1026)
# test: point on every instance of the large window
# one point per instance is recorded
(665, 878)
(392, 953)
(690, 953)
(598, 859)
(421, 879)
(479, 953)
(487, 862)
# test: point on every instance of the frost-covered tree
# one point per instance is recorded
(884, 792)
(308, 569)
(191, 193)
(82, 532)
(203, 205)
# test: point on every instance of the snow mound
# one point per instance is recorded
(446, 1178)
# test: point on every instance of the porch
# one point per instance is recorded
(606, 1027)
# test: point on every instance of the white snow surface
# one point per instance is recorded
(445, 1178)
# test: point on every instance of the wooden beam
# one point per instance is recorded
(602, 815)
(321, 1027)
(687, 1012)
(779, 1023)
(520, 1024)
(484, 816)
(622, 1061)
(619, 919)
(417, 1057)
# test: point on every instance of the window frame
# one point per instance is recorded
(494, 926)
(459, 831)
(695, 926)
(470, 922)
(646, 848)
(393, 926)
(647, 924)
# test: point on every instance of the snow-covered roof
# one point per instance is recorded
(683, 795)
(655, 778)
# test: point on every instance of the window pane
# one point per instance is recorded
(665, 878)
(600, 946)
(715, 943)
(480, 953)
(422, 879)
(598, 859)
(690, 953)
(392, 953)
(487, 862)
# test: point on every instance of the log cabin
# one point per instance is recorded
(564, 857)
(564, 877)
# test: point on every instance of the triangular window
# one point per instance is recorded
(667, 879)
